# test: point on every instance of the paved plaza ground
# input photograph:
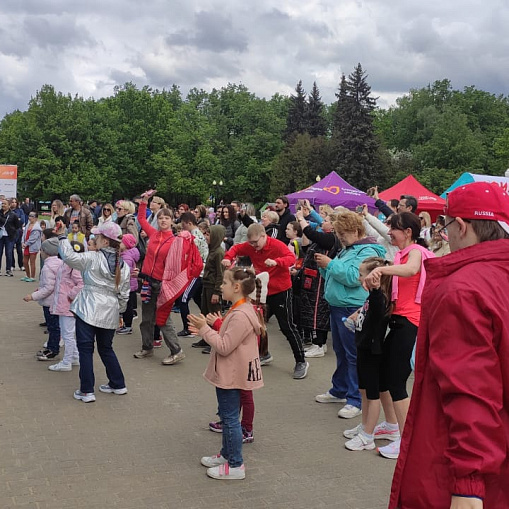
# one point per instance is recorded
(143, 450)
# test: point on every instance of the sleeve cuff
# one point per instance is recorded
(471, 486)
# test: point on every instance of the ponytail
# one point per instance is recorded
(118, 272)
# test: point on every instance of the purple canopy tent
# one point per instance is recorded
(334, 191)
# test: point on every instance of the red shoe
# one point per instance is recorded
(158, 343)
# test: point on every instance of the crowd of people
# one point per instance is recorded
(372, 280)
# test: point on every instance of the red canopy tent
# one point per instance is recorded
(427, 200)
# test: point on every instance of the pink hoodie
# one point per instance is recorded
(44, 294)
(68, 284)
(234, 361)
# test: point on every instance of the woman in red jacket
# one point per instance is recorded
(152, 274)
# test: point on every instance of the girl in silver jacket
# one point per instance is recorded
(97, 306)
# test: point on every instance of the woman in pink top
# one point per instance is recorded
(234, 365)
(408, 281)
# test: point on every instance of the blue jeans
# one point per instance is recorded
(229, 409)
(7, 244)
(345, 383)
(85, 336)
(53, 325)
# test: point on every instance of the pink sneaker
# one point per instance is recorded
(216, 427)
(383, 432)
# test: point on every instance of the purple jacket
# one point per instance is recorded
(131, 257)
(44, 294)
(68, 284)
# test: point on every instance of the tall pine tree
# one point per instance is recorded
(355, 147)
(296, 121)
(316, 122)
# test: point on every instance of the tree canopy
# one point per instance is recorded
(139, 138)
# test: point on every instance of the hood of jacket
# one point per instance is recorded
(253, 319)
(111, 258)
(492, 252)
(217, 233)
(36, 226)
(368, 241)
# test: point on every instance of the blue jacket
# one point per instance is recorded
(342, 286)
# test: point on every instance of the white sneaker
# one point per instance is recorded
(360, 442)
(383, 432)
(349, 412)
(60, 366)
(173, 359)
(314, 351)
(329, 398)
(227, 472)
(350, 433)
(390, 451)
(109, 390)
(86, 397)
(76, 361)
(61, 343)
(213, 461)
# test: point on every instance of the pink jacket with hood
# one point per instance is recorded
(234, 361)
(44, 294)
(67, 285)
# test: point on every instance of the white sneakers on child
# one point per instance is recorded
(390, 451)
(60, 366)
(218, 468)
(361, 442)
(327, 397)
(349, 412)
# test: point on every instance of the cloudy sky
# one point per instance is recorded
(88, 47)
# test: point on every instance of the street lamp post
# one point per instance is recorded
(217, 185)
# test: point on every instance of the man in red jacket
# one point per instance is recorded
(455, 446)
(273, 256)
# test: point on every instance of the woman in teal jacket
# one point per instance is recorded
(345, 295)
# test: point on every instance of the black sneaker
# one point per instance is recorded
(9, 273)
(46, 355)
(206, 349)
(43, 324)
(200, 344)
(185, 334)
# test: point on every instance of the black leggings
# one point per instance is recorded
(128, 313)
(396, 354)
(280, 304)
(368, 371)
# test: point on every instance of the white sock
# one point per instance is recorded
(392, 427)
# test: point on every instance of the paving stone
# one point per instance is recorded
(143, 449)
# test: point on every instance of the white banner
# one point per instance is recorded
(9, 180)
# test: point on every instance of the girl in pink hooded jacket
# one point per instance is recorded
(234, 365)
(67, 285)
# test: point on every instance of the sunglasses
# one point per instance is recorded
(119, 208)
(30, 215)
(108, 210)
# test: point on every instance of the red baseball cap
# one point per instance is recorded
(486, 201)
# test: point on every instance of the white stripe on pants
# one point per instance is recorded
(68, 333)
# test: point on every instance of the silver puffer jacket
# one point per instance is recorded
(99, 302)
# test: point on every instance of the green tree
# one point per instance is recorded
(316, 123)
(355, 147)
(296, 121)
